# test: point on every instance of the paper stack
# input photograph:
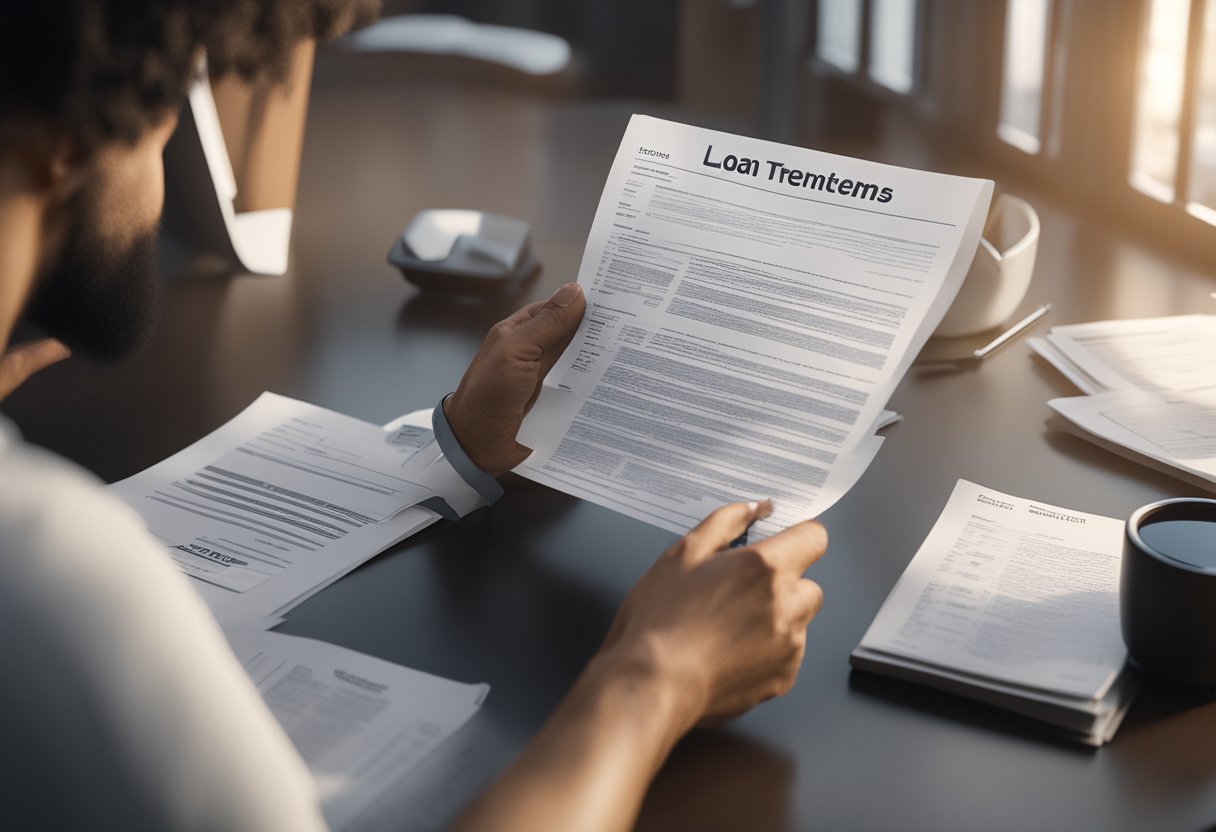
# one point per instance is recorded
(1151, 388)
(1014, 603)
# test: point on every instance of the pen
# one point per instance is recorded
(1011, 333)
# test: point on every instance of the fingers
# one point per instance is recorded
(551, 324)
(717, 530)
(563, 298)
(19, 363)
(540, 332)
(796, 548)
(524, 314)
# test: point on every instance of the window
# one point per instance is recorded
(893, 44)
(1173, 158)
(881, 34)
(1024, 73)
(1159, 89)
(1202, 185)
(1109, 106)
(839, 40)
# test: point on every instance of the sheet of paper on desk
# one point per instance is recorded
(1170, 431)
(279, 502)
(1013, 602)
(1151, 390)
(1084, 382)
(751, 308)
(1172, 353)
(360, 723)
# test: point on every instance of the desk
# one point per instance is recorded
(519, 595)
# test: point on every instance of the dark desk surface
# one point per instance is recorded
(519, 595)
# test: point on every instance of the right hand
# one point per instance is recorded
(505, 377)
(724, 628)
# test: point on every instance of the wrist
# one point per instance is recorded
(466, 466)
(479, 435)
(453, 412)
(654, 689)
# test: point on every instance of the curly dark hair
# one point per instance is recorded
(106, 70)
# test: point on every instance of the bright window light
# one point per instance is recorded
(839, 33)
(1201, 190)
(1159, 86)
(1026, 23)
(893, 44)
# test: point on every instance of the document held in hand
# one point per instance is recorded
(751, 307)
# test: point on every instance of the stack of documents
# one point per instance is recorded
(751, 307)
(1013, 603)
(1151, 388)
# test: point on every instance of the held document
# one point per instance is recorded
(751, 307)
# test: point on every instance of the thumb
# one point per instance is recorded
(555, 322)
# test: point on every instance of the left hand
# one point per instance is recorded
(504, 378)
(19, 363)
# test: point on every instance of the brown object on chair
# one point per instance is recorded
(263, 127)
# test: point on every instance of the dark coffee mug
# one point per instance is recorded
(1167, 590)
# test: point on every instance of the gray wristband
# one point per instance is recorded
(480, 481)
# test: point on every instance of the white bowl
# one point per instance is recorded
(1000, 273)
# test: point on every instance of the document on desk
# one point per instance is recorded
(1151, 386)
(750, 309)
(1171, 353)
(280, 501)
(1170, 431)
(361, 724)
(1013, 602)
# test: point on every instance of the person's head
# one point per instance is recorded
(89, 94)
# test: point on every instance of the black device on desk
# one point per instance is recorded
(465, 252)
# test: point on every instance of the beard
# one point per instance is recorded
(100, 298)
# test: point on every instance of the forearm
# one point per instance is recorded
(592, 762)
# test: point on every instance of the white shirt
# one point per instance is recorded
(121, 705)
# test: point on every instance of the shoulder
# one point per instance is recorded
(130, 699)
(77, 548)
(49, 506)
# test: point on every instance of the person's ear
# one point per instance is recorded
(39, 161)
(64, 169)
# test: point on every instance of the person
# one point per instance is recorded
(122, 706)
